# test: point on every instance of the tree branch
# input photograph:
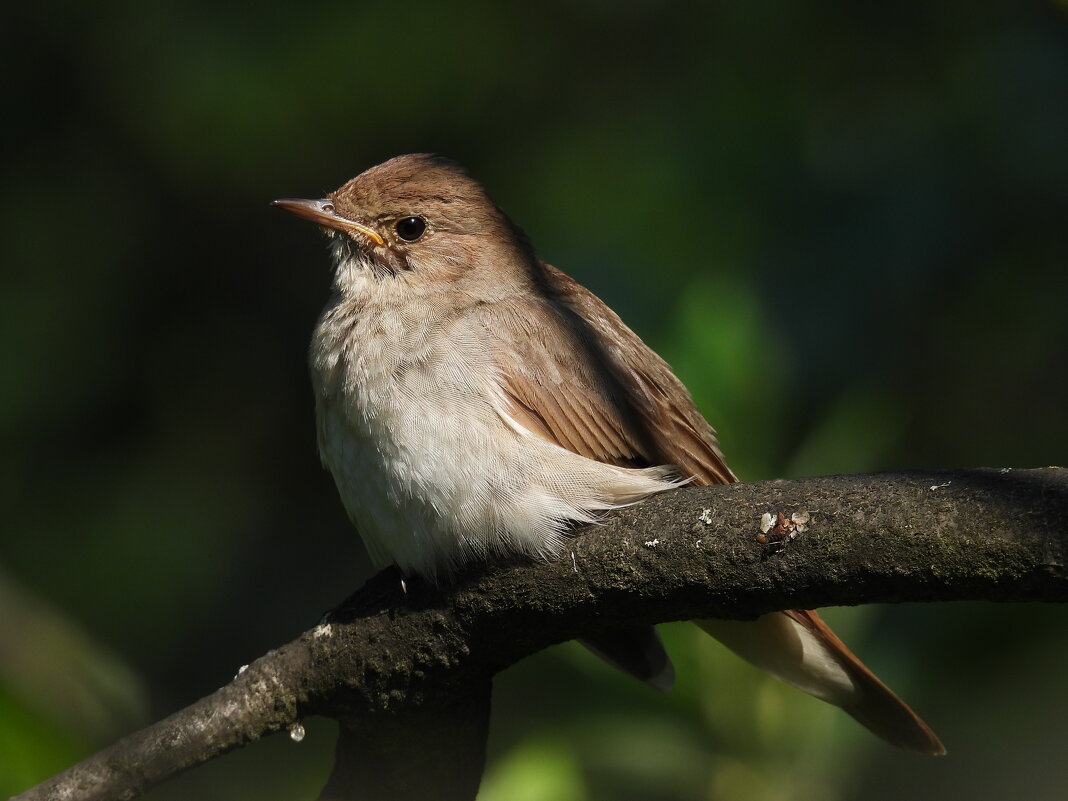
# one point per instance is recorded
(420, 663)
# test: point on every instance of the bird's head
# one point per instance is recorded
(420, 219)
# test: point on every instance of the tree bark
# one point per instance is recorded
(407, 672)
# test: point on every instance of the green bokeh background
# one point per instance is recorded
(844, 224)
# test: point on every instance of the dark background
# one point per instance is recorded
(843, 224)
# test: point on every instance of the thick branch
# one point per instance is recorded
(387, 655)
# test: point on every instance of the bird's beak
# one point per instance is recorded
(323, 213)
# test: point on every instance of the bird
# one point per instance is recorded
(473, 402)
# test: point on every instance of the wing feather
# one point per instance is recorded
(572, 373)
(619, 403)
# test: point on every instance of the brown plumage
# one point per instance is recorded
(593, 387)
(473, 399)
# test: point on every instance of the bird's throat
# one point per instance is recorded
(353, 265)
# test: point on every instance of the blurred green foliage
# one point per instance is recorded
(844, 224)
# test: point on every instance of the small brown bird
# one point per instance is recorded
(472, 400)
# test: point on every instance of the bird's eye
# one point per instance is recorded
(411, 228)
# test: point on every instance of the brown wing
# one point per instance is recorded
(577, 376)
(574, 374)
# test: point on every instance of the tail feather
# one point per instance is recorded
(798, 648)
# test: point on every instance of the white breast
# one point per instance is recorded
(430, 471)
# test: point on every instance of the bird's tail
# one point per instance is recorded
(799, 648)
